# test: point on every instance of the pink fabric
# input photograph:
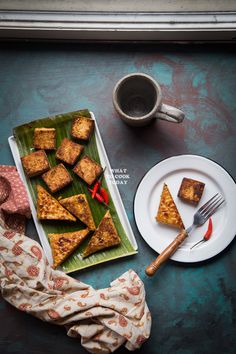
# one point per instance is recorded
(103, 319)
(14, 204)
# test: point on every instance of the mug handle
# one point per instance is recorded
(169, 113)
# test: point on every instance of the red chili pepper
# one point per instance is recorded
(105, 195)
(97, 196)
(209, 230)
(207, 235)
(95, 189)
(100, 198)
(98, 183)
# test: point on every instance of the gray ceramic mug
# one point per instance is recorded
(137, 99)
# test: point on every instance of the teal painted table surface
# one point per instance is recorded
(192, 305)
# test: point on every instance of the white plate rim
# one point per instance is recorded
(195, 256)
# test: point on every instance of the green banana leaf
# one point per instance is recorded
(24, 139)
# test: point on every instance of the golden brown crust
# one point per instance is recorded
(167, 211)
(82, 128)
(79, 207)
(48, 208)
(35, 163)
(64, 244)
(57, 178)
(105, 236)
(45, 138)
(69, 151)
(88, 169)
(191, 190)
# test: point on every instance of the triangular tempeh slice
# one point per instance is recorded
(167, 211)
(64, 244)
(79, 207)
(105, 236)
(48, 208)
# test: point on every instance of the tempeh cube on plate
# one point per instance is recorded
(191, 190)
(35, 163)
(69, 151)
(88, 169)
(82, 128)
(57, 178)
(45, 138)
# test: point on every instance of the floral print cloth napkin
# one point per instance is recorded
(103, 319)
(14, 204)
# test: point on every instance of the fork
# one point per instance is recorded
(199, 218)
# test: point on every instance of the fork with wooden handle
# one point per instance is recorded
(199, 218)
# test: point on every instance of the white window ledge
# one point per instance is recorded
(118, 26)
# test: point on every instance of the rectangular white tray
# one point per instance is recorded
(113, 189)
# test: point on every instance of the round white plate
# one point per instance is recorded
(171, 171)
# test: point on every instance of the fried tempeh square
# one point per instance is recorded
(69, 151)
(45, 138)
(88, 169)
(48, 208)
(64, 244)
(78, 206)
(57, 178)
(35, 163)
(104, 237)
(82, 128)
(191, 190)
(167, 211)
